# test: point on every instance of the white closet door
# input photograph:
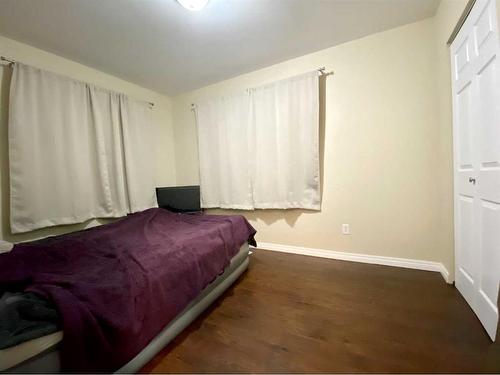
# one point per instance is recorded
(476, 128)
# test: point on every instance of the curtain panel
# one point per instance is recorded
(72, 151)
(260, 149)
(225, 165)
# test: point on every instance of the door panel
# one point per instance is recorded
(465, 143)
(462, 56)
(476, 133)
(489, 152)
(465, 250)
(490, 217)
(484, 25)
(463, 63)
(487, 309)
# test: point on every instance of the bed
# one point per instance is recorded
(205, 255)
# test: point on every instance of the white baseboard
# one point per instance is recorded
(424, 265)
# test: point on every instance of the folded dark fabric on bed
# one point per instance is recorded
(118, 285)
(25, 316)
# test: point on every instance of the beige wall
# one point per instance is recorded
(387, 145)
(162, 117)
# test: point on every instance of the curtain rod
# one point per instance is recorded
(8, 61)
(322, 72)
(11, 62)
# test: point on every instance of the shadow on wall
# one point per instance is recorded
(291, 216)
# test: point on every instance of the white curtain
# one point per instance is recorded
(223, 134)
(285, 118)
(138, 141)
(261, 149)
(66, 151)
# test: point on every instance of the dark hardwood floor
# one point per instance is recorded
(296, 314)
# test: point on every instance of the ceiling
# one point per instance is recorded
(162, 46)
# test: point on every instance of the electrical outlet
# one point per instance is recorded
(346, 229)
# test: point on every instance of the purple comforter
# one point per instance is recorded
(116, 286)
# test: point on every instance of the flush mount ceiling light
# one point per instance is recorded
(194, 5)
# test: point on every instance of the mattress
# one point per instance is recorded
(10, 357)
(41, 354)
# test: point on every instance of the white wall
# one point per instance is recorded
(162, 117)
(386, 146)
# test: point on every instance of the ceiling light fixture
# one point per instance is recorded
(193, 5)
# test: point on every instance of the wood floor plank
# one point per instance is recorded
(297, 314)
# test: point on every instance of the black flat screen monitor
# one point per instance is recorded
(179, 198)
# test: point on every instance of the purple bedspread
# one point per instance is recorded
(118, 285)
